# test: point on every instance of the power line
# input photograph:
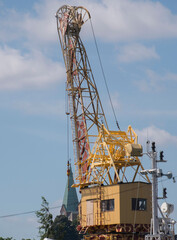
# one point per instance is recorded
(24, 213)
(17, 214)
(30, 212)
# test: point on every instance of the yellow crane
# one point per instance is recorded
(107, 162)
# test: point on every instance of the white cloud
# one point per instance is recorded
(143, 85)
(115, 101)
(161, 78)
(37, 27)
(32, 70)
(136, 52)
(160, 136)
(40, 108)
(160, 113)
(116, 20)
(113, 20)
(154, 81)
(43, 26)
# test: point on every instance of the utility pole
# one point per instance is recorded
(154, 191)
(162, 228)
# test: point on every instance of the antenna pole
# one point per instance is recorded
(162, 228)
(154, 192)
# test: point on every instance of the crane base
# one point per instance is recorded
(115, 236)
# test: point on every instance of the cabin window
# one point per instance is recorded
(139, 204)
(107, 205)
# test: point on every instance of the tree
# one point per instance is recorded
(63, 229)
(45, 219)
(8, 238)
(27, 239)
(59, 229)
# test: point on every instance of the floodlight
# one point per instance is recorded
(144, 172)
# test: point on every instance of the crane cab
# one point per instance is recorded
(121, 208)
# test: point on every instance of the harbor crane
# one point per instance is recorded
(97, 149)
(115, 197)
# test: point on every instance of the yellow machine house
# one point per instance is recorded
(124, 207)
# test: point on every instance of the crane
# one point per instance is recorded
(96, 148)
(103, 157)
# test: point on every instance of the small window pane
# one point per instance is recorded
(111, 204)
(139, 204)
(107, 205)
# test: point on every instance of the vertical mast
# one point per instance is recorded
(154, 193)
(86, 112)
(162, 228)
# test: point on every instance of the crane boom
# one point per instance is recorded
(85, 108)
(101, 156)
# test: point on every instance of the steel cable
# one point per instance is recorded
(104, 77)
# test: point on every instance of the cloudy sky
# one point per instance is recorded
(137, 41)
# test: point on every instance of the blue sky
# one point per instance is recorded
(137, 40)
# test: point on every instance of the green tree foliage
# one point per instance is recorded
(45, 219)
(63, 229)
(59, 229)
(9, 238)
(27, 239)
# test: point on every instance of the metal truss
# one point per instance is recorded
(100, 154)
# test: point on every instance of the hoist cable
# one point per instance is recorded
(68, 137)
(104, 77)
(68, 160)
(67, 120)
